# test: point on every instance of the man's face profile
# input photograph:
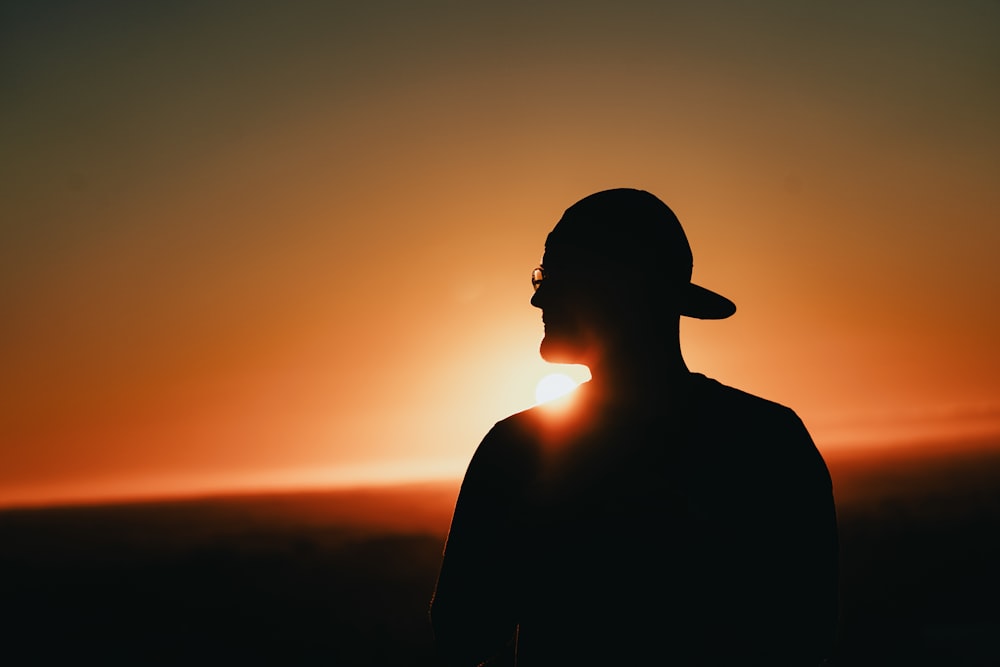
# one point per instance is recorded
(572, 296)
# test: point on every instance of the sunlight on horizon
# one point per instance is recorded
(387, 474)
(143, 488)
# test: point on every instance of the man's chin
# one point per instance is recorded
(557, 351)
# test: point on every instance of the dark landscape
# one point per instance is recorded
(345, 577)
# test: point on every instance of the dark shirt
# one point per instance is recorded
(696, 528)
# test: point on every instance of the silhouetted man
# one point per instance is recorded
(667, 519)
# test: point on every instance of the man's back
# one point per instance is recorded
(698, 527)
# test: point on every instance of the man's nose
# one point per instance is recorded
(538, 298)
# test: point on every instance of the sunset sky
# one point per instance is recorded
(250, 244)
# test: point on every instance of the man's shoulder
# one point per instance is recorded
(711, 395)
(725, 414)
(526, 426)
(519, 424)
(703, 394)
(756, 434)
(513, 438)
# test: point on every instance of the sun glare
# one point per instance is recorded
(553, 386)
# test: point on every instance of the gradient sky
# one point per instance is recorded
(249, 243)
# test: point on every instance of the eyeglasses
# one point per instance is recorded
(537, 276)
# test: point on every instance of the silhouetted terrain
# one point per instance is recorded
(344, 577)
(340, 578)
(920, 548)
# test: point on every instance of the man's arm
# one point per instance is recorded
(799, 560)
(472, 613)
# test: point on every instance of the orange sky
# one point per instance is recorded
(289, 243)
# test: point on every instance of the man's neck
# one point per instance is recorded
(638, 377)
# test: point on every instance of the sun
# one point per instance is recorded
(553, 386)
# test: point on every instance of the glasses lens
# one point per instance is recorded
(537, 276)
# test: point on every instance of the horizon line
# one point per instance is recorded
(153, 489)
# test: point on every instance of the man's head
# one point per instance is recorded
(616, 272)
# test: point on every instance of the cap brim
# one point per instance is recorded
(705, 304)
